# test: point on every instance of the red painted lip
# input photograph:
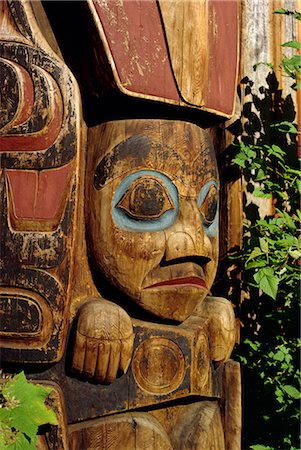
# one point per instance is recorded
(180, 281)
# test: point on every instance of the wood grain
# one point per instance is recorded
(172, 153)
(137, 431)
(231, 405)
(188, 48)
(125, 319)
(40, 137)
(221, 326)
(171, 52)
(104, 340)
(201, 429)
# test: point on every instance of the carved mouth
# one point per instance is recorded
(187, 281)
(183, 275)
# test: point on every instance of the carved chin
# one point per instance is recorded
(172, 303)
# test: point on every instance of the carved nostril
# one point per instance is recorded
(199, 260)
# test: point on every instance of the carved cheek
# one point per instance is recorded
(211, 267)
(143, 246)
(100, 229)
(124, 256)
(136, 255)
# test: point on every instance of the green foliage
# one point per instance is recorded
(287, 12)
(260, 447)
(22, 411)
(292, 65)
(270, 351)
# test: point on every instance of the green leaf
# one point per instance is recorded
(277, 150)
(286, 127)
(280, 11)
(297, 15)
(279, 356)
(240, 159)
(260, 447)
(288, 358)
(255, 264)
(7, 435)
(5, 415)
(31, 411)
(253, 344)
(262, 223)
(264, 245)
(292, 44)
(295, 254)
(294, 171)
(260, 175)
(292, 63)
(288, 221)
(267, 281)
(250, 153)
(262, 63)
(259, 193)
(292, 391)
(21, 443)
(255, 253)
(287, 12)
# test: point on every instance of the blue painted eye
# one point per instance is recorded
(145, 201)
(208, 203)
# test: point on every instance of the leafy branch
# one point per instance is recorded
(22, 411)
(271, 254)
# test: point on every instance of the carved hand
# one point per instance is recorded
(222, 326)
(104, 341)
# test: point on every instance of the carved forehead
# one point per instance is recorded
(180, 149)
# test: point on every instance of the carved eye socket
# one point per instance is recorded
(146, 199)
(208, 207)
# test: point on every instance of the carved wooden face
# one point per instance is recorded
(153, 212)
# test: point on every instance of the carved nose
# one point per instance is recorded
(179, 244)
(187, 238)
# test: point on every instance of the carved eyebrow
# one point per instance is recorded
(136, 148)
(139, 150)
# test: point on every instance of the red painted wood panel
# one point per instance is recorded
(39, 195)
(136, 39)
(139, 46)
(223, 55)
(23, 186)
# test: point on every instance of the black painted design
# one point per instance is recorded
(63, 150)
(136, 147)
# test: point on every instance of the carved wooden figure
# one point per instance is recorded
(110, 246)
(152, 223)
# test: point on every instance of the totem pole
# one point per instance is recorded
(109, 238)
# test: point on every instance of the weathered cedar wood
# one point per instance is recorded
(110, 242)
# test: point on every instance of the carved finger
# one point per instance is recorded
(114, 361)
(102, 361)
(79, 353)
(91, 357)
(126, 353)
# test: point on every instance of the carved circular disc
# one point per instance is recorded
(202, 360)
(158, 366)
